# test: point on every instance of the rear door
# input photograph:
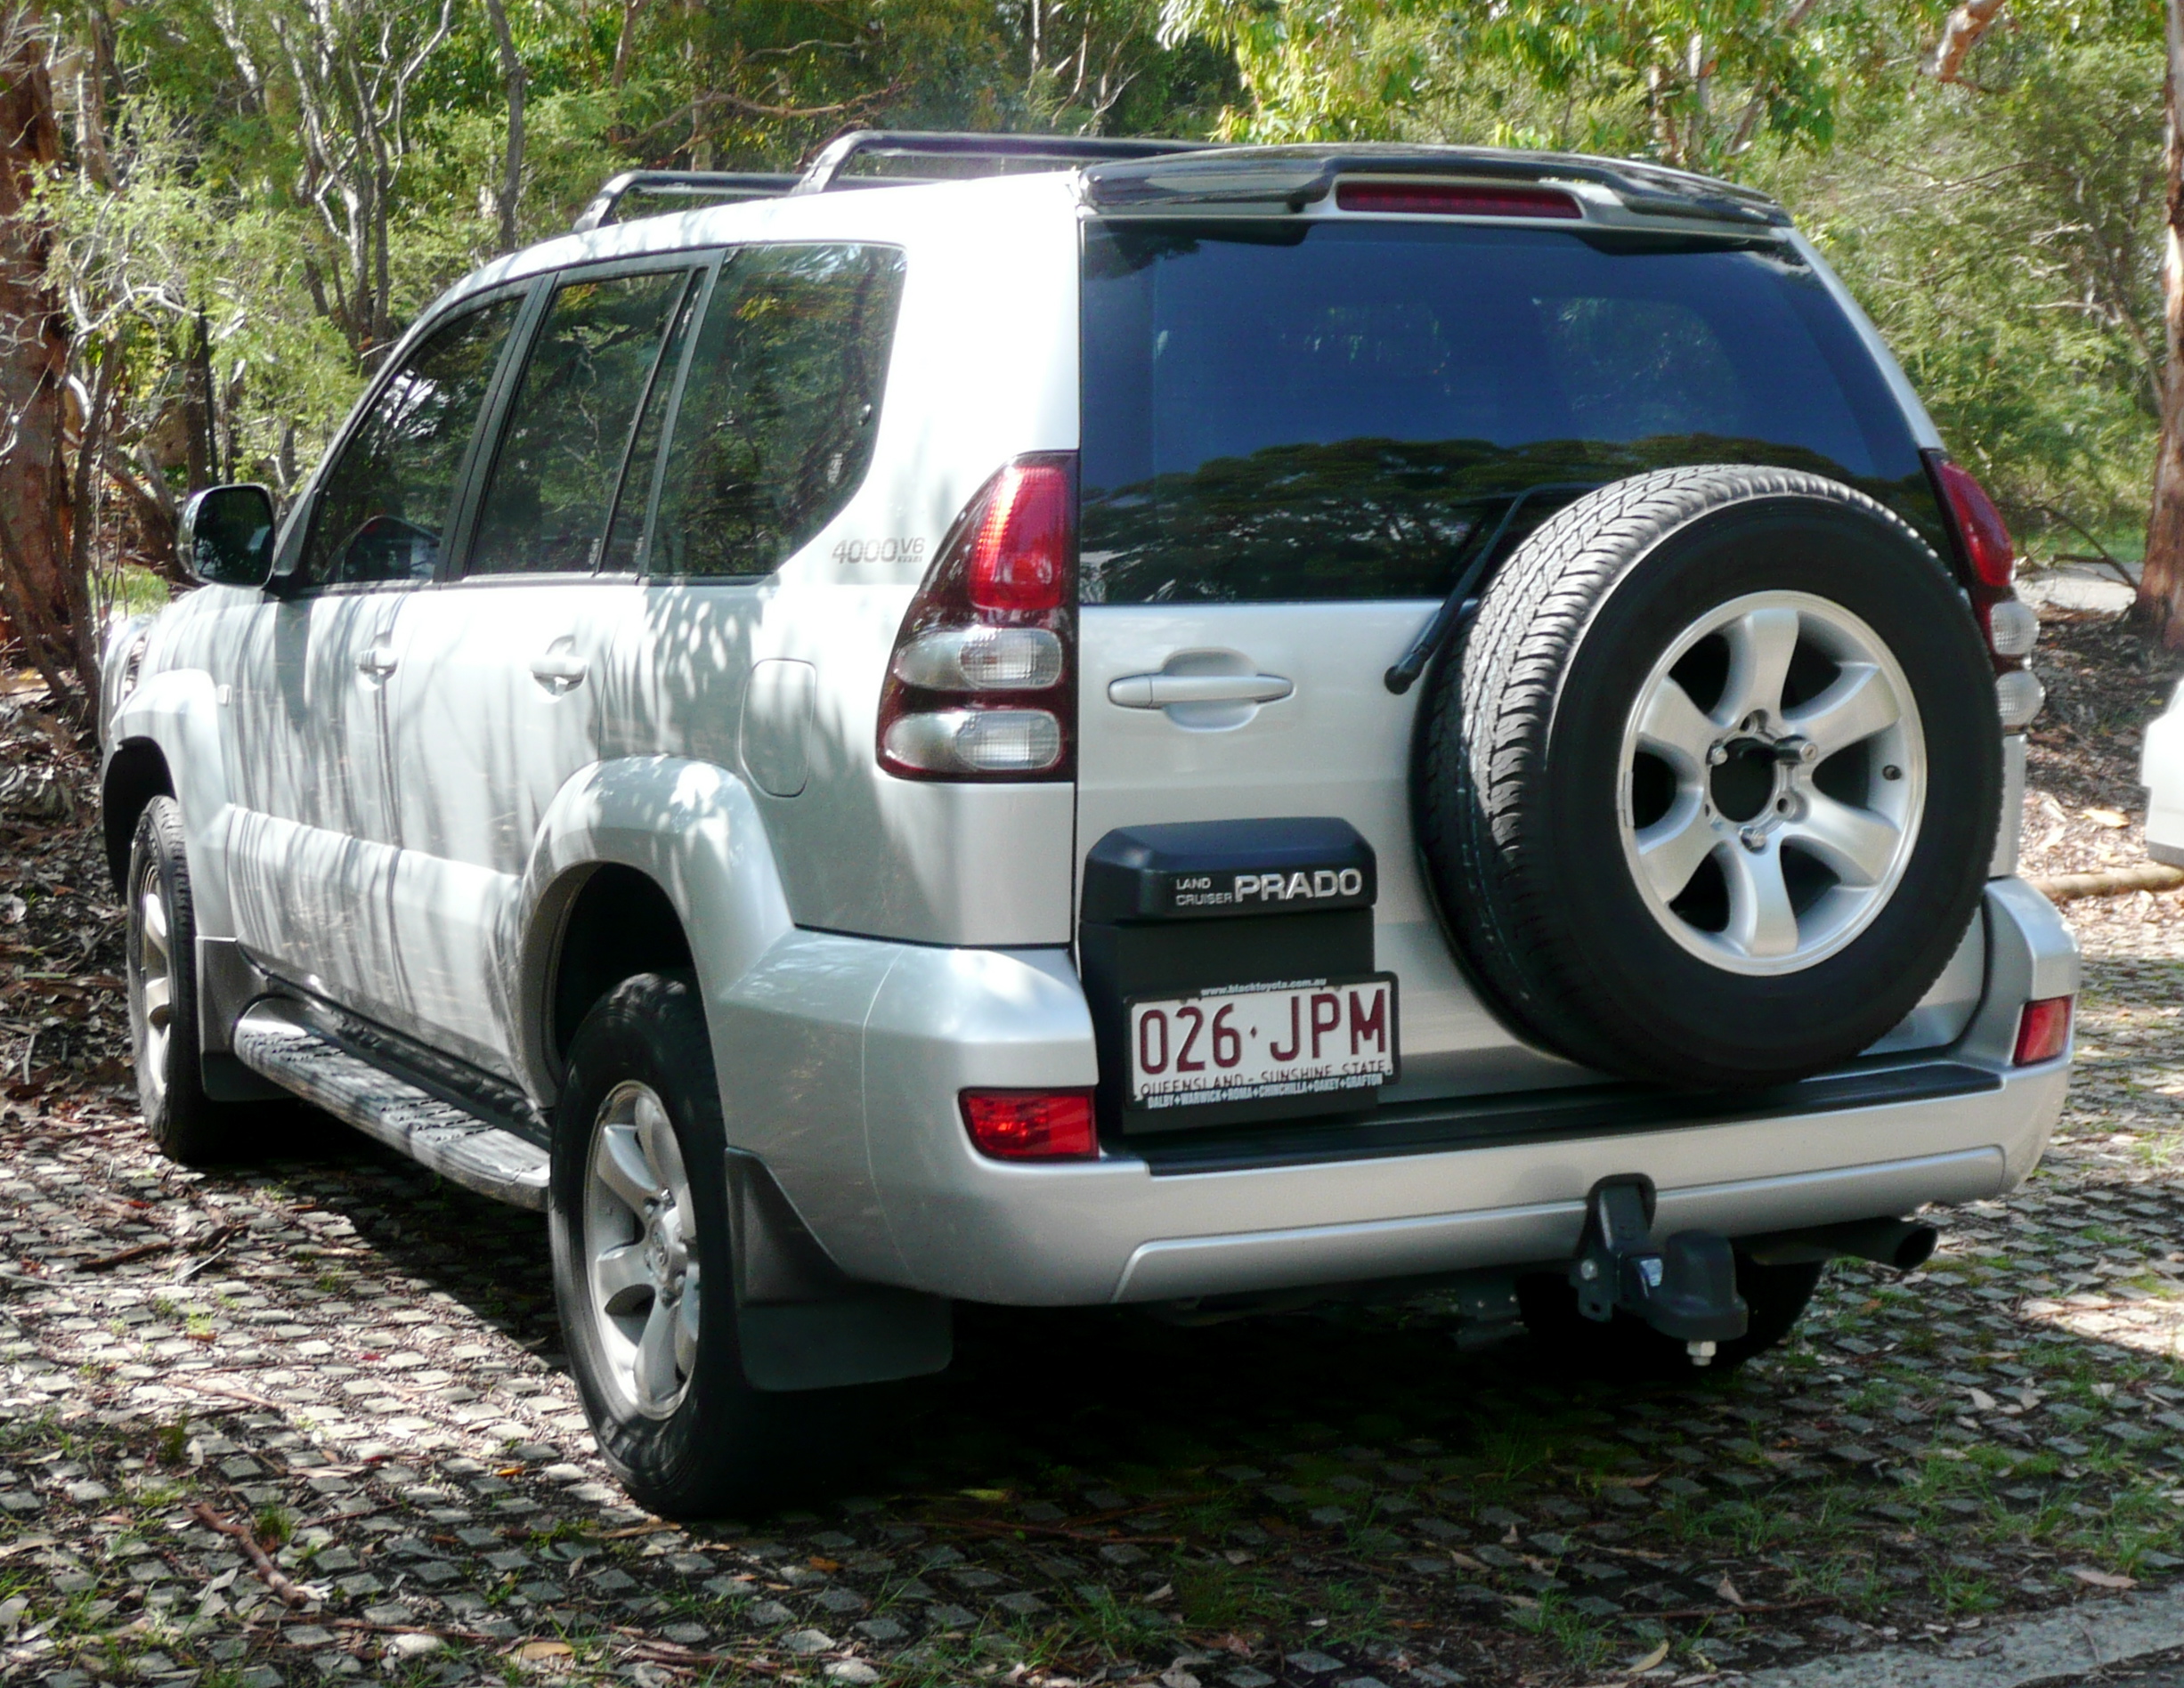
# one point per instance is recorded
(495, 702)
(1297, 436)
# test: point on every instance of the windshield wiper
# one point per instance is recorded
(1405, 674)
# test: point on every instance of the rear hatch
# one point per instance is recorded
(1298, 431)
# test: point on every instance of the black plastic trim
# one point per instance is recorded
(1536, 1117)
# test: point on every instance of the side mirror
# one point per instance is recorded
(226, 536)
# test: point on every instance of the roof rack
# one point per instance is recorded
(711, 186)
(827, 170)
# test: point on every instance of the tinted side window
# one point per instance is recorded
(546, 502)
(1347, 409)
(780, 407)
(385, 501)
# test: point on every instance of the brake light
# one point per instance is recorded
(2043, 1030)
(1985, 537)
(1031, 1125)
(1986, 556)
(980, 683)
(1447, 199)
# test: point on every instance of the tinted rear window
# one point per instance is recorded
(1343, 409)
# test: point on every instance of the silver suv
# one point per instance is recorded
(1132, 724)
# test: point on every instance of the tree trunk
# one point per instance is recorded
(2160, 588)
(33, 340)
(512, 73)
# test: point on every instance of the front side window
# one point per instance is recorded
(1345, 409)
(385, 501)
(550, 498)
(780, 407)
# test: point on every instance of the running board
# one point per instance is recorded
(272, 1040)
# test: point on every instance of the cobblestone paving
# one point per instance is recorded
(358, 1367)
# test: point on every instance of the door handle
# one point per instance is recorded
(378, 661)
(560, 668)
(1158, 691)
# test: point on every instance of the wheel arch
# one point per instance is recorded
(135, 774)
(640, 864)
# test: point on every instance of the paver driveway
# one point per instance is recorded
(361, 1366)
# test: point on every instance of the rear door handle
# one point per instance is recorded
(1158, 691)
(560, 668)
(378, 661)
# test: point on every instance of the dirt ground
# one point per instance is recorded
(334, 1360)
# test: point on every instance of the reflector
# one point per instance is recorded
(2043, 1031)
(1032, 1125)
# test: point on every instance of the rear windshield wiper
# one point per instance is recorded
(1405, 674)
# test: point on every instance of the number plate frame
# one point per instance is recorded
(1266, 1082)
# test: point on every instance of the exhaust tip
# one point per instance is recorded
(1914, 1248)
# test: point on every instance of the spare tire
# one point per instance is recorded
(1707, 794)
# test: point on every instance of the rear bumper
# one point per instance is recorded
(1496, 1186)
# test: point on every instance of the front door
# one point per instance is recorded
(312, 840)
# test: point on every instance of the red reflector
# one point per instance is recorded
(1020, 557)
(1032, 1125)
(1440, 199)
(2043, 1032)
(1986, 541)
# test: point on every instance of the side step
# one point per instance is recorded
(272, 1040)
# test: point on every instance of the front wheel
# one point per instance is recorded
(643, 1270)
(186, 1124)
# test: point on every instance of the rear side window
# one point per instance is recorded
(385, 501)
(778, 415)
(1342, 409)
(548, 503)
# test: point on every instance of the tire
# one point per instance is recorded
(695, 1440)
(1658, 819)
(164, 1034)
(1627, 1349)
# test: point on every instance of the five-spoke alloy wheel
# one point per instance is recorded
(642, 1270)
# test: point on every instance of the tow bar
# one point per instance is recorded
(1686, 1291)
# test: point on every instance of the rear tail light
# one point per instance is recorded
(979, 685)
(2043, 1030)
(1449, 199)
(1989, 563)
(1031, 1125)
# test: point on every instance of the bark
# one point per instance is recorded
(33, 338)
(1961, 34)
(2161, 586)
(512, 74)
(2118, 882)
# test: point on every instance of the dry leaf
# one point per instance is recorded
(1982, 1401)
(1727, 1590)
(2106, 817)
(532, 1651)
(2102, 1578)
(818, 1563)
(1650, 1660)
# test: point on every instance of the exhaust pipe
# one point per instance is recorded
(1905, 1244)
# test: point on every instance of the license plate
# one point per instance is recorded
(1262, 1041)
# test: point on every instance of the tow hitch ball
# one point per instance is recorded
(1686, 1290)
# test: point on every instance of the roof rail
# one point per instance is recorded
(708, 186)
(826, 169)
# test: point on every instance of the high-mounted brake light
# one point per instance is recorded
(1032, 1125)
(1990, 560)
(981, 683)
(1450, 199)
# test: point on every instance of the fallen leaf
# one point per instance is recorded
(1982, 1401)
(532, 1651)
(2106, 817)
(1727, 1590)
(2101, 1579)
(1469, 1563)
(823, 1564)
(1650, 1659)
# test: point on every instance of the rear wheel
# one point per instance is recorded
(643, 1266)
(1625, 1347)
(188, 1126)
